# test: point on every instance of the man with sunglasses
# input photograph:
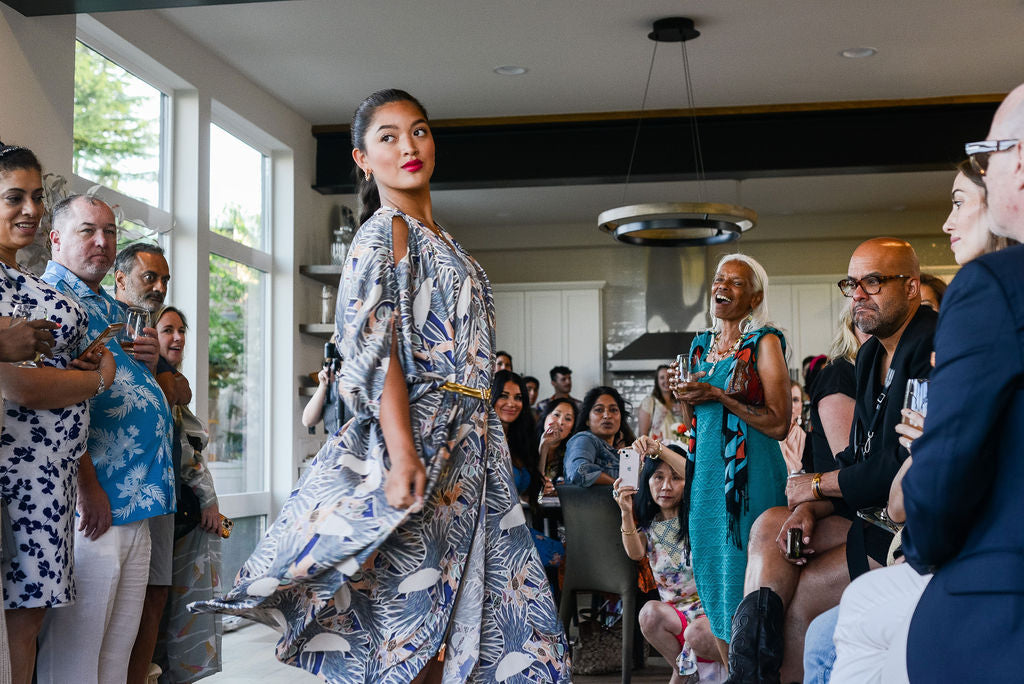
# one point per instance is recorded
(964, 493)
(884, 290)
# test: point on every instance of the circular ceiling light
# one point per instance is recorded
(677, 224)
(510, 70)
(859, 52)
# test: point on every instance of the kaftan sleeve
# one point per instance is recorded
(368, 305)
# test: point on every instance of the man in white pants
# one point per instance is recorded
(128, 479)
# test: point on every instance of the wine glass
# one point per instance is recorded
(916, 399)
(135, 319)
(22, 313)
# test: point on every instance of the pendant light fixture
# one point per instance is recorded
(673, 224)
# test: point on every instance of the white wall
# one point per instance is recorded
(37, 79)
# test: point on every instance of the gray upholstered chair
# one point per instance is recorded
(595, 559)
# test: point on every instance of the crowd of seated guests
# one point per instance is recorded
(88, 474)
(792, 625)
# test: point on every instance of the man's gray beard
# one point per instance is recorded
(886, 326)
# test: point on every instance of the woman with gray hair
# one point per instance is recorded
(738, 405)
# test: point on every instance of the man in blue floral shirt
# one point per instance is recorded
(130, 478)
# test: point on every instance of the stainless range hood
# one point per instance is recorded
(677, 304)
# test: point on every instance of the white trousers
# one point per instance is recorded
(874, 620)
(90, 641)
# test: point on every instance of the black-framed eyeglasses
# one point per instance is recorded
(871, 284)
(979, 152)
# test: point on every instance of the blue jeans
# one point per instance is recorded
(819, 651)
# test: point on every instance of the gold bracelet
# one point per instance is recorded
(657, 454)
(816, 487)
(623, 531)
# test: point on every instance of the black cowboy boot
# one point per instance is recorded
(755, 651)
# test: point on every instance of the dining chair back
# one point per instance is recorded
(595, 559)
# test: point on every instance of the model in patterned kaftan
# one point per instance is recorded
(369, 593)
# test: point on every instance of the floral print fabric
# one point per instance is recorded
(130, 427)
(39, 453)
(674, 577)
(364, 592)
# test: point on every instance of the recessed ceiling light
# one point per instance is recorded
(859, 52)
(510, 70)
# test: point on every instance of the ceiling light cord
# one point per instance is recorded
(639, 122)
(694, 129)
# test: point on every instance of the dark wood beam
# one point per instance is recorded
(42, 8)
(743, 145)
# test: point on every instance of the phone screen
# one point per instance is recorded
(629, 467)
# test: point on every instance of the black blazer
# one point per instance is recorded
(964, 494)
(865, 482)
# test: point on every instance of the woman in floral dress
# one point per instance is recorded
(45, 422)
(402, 554)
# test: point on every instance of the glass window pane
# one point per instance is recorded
(236, 189)
(117, 127)
(237, 376)
(236, 549)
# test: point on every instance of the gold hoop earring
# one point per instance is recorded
(366, 174)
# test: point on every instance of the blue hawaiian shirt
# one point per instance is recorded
(130, 423)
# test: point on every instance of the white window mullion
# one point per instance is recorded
(229, 249)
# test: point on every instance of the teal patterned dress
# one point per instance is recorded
(364, 592)
(718, 540)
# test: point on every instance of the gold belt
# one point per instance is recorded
(484, 394)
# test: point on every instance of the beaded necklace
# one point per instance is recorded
(715, 356)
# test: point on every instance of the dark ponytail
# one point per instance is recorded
(13, 157)
(369, 196)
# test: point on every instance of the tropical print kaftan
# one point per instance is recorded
(364, 592)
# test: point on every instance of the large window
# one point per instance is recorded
(239, 304)
(118, 127)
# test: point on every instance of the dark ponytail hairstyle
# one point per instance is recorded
(13, 157)
(369, 196)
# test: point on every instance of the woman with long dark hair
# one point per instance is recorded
(402, 554)
(508, 397)
(557, 425)
(602, 428)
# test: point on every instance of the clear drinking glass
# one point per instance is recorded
(685, 369)
(22, 313)
(916, 398)
(135, 319)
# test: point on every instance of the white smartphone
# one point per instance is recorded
(629, 467)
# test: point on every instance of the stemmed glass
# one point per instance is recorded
(135, 319)
(22, 313)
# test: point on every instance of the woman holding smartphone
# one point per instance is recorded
(402, 554)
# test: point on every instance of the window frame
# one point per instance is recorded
(250, 503)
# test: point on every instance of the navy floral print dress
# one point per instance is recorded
(39, 454)
(364, 592)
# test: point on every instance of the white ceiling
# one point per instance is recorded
(321, 57)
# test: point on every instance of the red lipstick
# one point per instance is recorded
(413, 165)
